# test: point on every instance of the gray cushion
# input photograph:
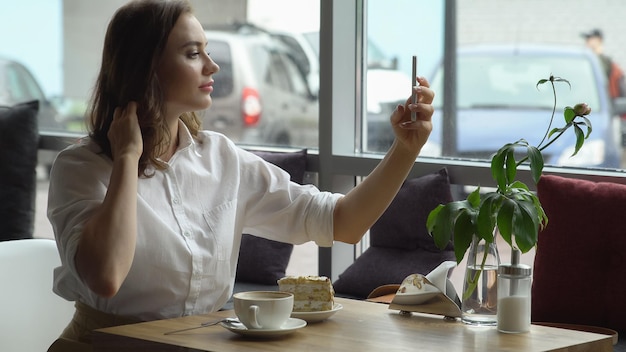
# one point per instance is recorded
(264, 261)
(19, 142)
(399, 241)
(400, 225)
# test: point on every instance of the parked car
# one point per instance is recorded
(18, 85)
(385, 85)
(260, 95)
(498, 102)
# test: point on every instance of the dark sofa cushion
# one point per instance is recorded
(399, 241)
(581, 254)
(264, 261)
(399, 227)
(19, 142)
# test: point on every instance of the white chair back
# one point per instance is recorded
(32, 316)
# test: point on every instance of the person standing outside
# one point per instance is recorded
(594, 39)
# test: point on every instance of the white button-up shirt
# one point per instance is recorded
(190, 220)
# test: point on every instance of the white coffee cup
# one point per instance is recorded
(263, 309)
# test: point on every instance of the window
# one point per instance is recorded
(470, 26)
(352, 98)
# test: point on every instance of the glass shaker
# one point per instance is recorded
(514, 286)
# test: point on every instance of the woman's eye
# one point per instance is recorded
(194, 55)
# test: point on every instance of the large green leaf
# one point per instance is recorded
(569, 114)
(511, 166)
(432, 218)
(485, 219)
(559, 131)
(441, 221)
(526, 226)
(505, 219)
(587, 124)
(474, 198)
(520, 186)
(464, 231)
(536, 162)
(441, 225)
(580, 139)
(497, 167)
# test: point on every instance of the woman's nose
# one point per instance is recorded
(210, 67)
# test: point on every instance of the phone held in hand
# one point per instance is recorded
(414, 84)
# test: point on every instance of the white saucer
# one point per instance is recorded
(314, 317)
(291, 325)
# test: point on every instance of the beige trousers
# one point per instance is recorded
(77, 335)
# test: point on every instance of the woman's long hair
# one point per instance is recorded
(133, 46)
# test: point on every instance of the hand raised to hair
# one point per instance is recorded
(414, 134)
(124, 133)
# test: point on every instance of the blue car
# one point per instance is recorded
(498, 103)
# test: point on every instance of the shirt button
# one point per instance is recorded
(176, 201)
(186, 234)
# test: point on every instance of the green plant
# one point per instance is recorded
(512, 207)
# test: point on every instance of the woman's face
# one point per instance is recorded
(186, 70)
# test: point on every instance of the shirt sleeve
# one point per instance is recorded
(78, 182)
(281, 210)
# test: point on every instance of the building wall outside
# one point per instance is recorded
(545, 21)
(84, 27)
(478, 21)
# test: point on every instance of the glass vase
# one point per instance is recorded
(479, 304)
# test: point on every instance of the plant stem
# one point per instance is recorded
(552, 116)
(474, 281)
(548, 129)
(544, 147)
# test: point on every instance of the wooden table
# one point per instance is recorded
(359, 326)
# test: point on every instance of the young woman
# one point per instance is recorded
(148, 210)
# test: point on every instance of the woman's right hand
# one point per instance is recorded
(124, 133)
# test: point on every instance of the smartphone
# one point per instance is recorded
(414, 83)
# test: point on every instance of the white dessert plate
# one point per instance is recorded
(291, 325)
(314, 317)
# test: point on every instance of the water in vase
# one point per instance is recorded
(481, 307)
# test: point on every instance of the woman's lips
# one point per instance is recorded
(208, 87)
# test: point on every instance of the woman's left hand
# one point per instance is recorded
(414, 134)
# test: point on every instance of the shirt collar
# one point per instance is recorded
(185, 139)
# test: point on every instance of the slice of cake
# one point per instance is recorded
(311, 293)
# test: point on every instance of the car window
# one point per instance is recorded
(298, 82)
(277, 73)
(299, 56)
(220, 52)
(22, 85)
(501, 81)
(314, 40)
(260, 59)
